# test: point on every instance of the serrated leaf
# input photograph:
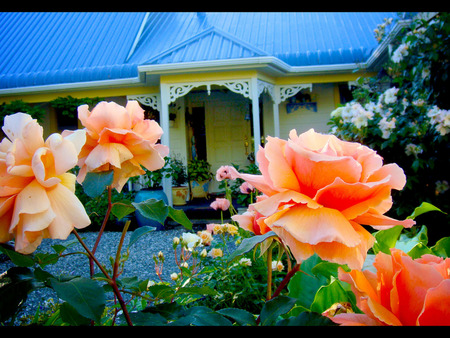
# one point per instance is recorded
(242, 317)
(248, 244)
(276, 307)
(153, 209)
(180, 217)
(85, 295)
(306, 319)
(423, 208)
(122, 208)
(17, 258)
(138, 233)
(96, 182)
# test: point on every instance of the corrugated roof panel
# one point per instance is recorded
(46, 48)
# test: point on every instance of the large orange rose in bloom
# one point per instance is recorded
(119, 138)
(320, 190)
(37, 196)
(402, 292)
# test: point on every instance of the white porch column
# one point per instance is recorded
(165, 138)
(255, 113)
(276, 119)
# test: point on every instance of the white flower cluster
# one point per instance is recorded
(400, 52)
(413, 149)
(440, 119)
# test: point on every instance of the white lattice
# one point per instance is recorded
(179, 90)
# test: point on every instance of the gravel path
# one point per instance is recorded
(140, 262)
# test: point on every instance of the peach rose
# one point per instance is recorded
(320, 190)
(37, 196)
(221, 204)
(251, 220)
(119, 137)
(402, 292)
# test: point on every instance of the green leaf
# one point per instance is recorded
(306, 319)
(180, 217)
(71, 316)
(276, 307)
(248, 244)
(442, 247)
(203, 290)
(204, 316)
(147, 319)
(304, 285)
(16, 283)
(329, 294)
(423, 208)
(95, 182)
(16, 257)
(386, 239)
(138, 233)
(122, 208)
(406, 244)
(242, 317)
(84, 294)
(153, 209)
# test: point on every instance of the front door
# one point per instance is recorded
(228, 133)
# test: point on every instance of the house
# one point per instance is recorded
(218, 83)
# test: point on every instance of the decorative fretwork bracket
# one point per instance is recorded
(286, 91)
(151, 100)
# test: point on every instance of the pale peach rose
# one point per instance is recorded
(220, 204)
(223, 173)
(206, 237)
(37, 195)
(120, 138)
(320, 190)
(403, 291)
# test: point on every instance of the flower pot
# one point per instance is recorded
(179, 195)
(199, 189)
(143, 195)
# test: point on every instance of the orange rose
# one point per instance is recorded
(252, 220)
(37, 197)
(119, 137)
(320, 190)
(402, 292)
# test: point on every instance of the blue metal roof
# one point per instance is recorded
(54, 48)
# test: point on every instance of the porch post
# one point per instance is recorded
(276, 119)
(255, 113)
(165, 138)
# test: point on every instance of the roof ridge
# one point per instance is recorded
(204, 33)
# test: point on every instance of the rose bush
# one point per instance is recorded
(320, 190)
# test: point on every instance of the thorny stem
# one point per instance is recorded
(105, 220)
(111, 281)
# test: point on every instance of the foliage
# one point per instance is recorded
(177, 171)
(199, 170)
(36, 111)
(403, 114)
(68, 105)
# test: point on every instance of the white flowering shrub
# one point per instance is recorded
(403, 113)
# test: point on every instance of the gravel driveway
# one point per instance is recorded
(140, 262)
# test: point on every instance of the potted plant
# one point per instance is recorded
(199, 174)
(153, 189)
(177, 170)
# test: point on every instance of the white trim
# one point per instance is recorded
(133, 81)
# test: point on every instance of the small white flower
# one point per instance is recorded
(245, 262)
(277, 266)
(191, 241)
